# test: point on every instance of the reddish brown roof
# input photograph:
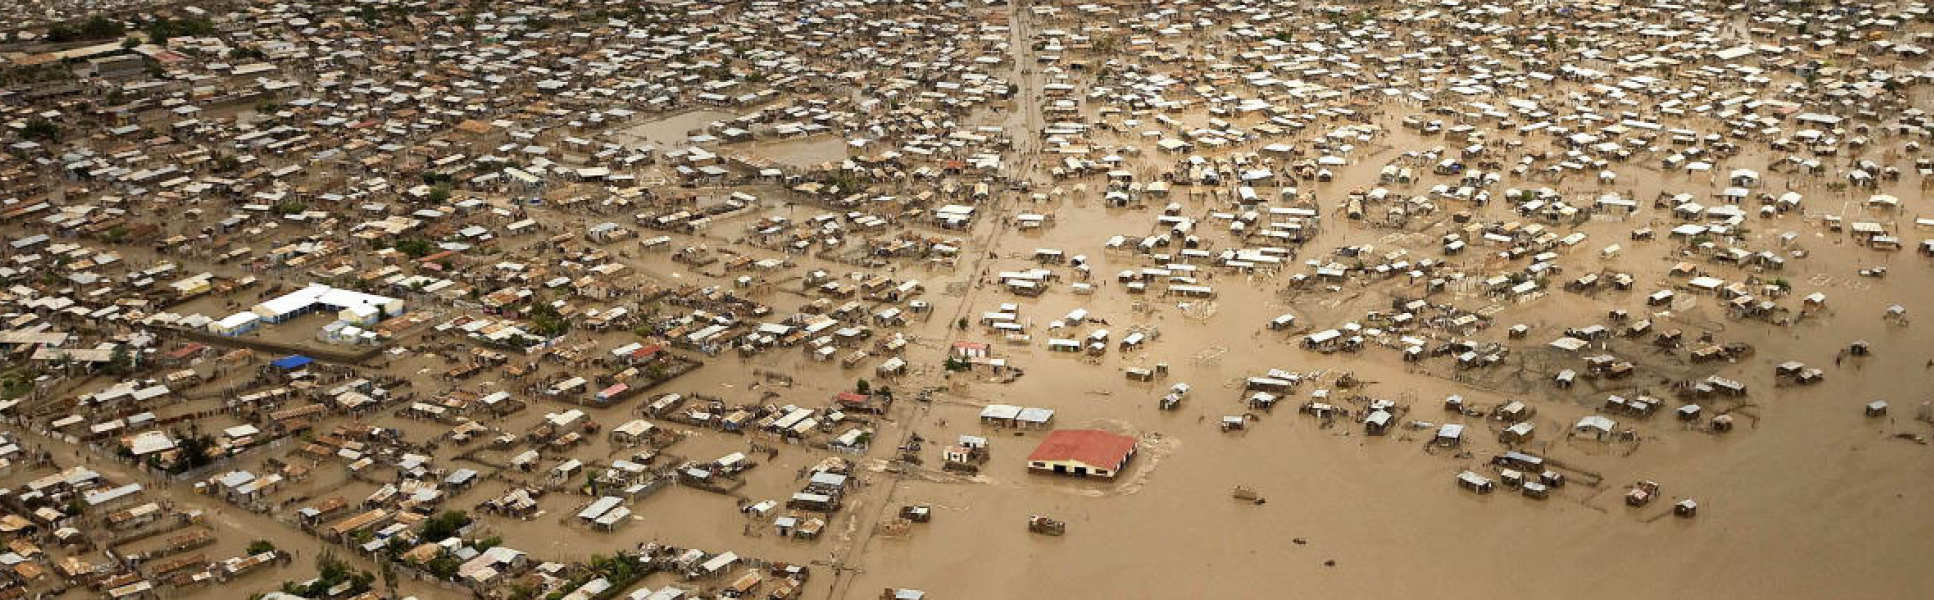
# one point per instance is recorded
(1092, 447)
(475, 127)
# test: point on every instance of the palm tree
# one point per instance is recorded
(389, 576)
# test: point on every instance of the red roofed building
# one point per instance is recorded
(859, 402)
(187, 351)
(646, 353)
(1082, 452)
(970, 350)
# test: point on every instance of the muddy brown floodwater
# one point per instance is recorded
(1128, 126)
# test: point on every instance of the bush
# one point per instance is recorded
(259, 547)
(16, 384)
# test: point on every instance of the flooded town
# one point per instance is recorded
(852, 299)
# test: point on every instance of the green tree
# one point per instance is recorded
(546, 321)
(194, 452)
(260, 546)
(330, 572)
(98, 27)
(162, 29)
(445, 525)
(415, 247)
(444, 566)
(62, 33)
(120, 361)
(41, 129)
(389, 577)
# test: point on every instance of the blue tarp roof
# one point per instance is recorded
(290, 363)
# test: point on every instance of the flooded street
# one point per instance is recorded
(673, 131)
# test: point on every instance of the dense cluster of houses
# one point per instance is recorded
(265, 248)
